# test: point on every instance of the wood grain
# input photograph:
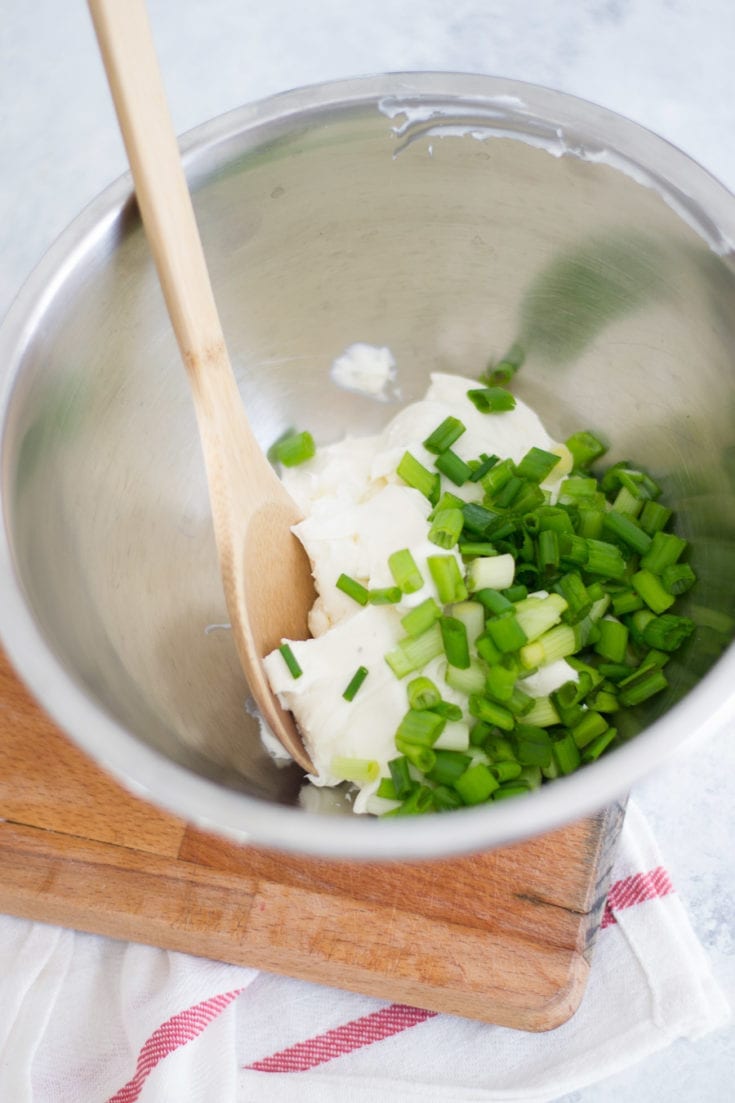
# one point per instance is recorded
(505, 936)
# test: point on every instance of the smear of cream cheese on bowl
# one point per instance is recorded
(358, 511)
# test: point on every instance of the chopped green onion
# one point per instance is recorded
(482, 468)
(652, 591)
(515, 592)
(573, 549)
(566, 753)
(500, 682)
(449, 766)
(419, 619)
(627, 601)
(505, 369)
(678, 578)
(604, 559)
(613, 641)
(290, 660)
(294, 449)
(652, 681)
(448, 710)
(574, 592)
(664, 550)
(400, 776)
(627, 503)
(422, 693)
(354, 769)
(406, 574)
(533, 745)
(469, 548)
(482, 708)
(476, 784)
(594, 749)
(414, 653)
(456, 644)
(626, 529)
(353, 589)
(498, 475)
(446, 799)
(472, 615)
(506, 632)
(510, 790)
(542, 714)
(355, 682)
(537, 464)
(445, 573)
(557, 643)
(589, 523)
(455, 737)
(444, 435)
(547, 549)
(493, 600)
(505, 771)
(453, 466)
(654, 517)
(491, 400)
(419, 801)
(468, 680)
(585, 448)
(589, 727)
(494, 572)
(446, 527)
(420, 726)
(537, 615)
(415, 475)
(387, 789)
(389, 595)
(667, 632)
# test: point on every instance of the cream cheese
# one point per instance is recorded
(357, 513)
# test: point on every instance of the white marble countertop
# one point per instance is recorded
(665, 63)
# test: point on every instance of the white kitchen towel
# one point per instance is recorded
(84, 1019)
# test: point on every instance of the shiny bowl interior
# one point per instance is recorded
(447, 217)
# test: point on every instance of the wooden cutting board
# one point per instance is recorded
(504, 936)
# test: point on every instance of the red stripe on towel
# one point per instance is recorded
(634, 890)
(171, 1035)
(344, 1039)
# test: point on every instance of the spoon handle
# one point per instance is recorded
(126, 44)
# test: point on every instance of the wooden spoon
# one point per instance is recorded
(265, 572)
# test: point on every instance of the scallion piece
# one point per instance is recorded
(547, 552)
(574, 592)
(557, 643)
(604, 559)
(446, 527)
(589, 727)
(415, 475)
(627, 503)
(665, 549)
(290, 660)
(455, 737)
(667, 632)
(388, 595)
(355, 682)
(456, 644)
(401, 777)
(476, 784)
(627, 601)
(626, 529)
(421, 800)
(386, 789)
(354, 769)
(422, 693)
(654, 517)
(487, 650)
(468, 680)
(651, 589)
(613, 640)
(502, 372)
(444, 435)
(585, 448)
(406, 574)
(506, 632)
(294, 449)
(499, 683)
(537, 615)
(420, 726)
(453, 466)
(482, 468)
(566, 753)
(449, 766)
(542, 713)
(650, 682)
(414, 653)
(493, 600)
(520, 703)
(505, 771)
(533, 745)
(353, 589)
(678, 578)
(537, 465)
(452, 713)
(494, 572)
(491, 400)
(498, 475)
(594, 749)
(469, 548)
(482, 708)
(472, 615)
(419, 619)
(447, 578)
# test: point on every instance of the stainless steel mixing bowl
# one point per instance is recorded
(444, 216)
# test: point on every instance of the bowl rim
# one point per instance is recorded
(152, 775)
